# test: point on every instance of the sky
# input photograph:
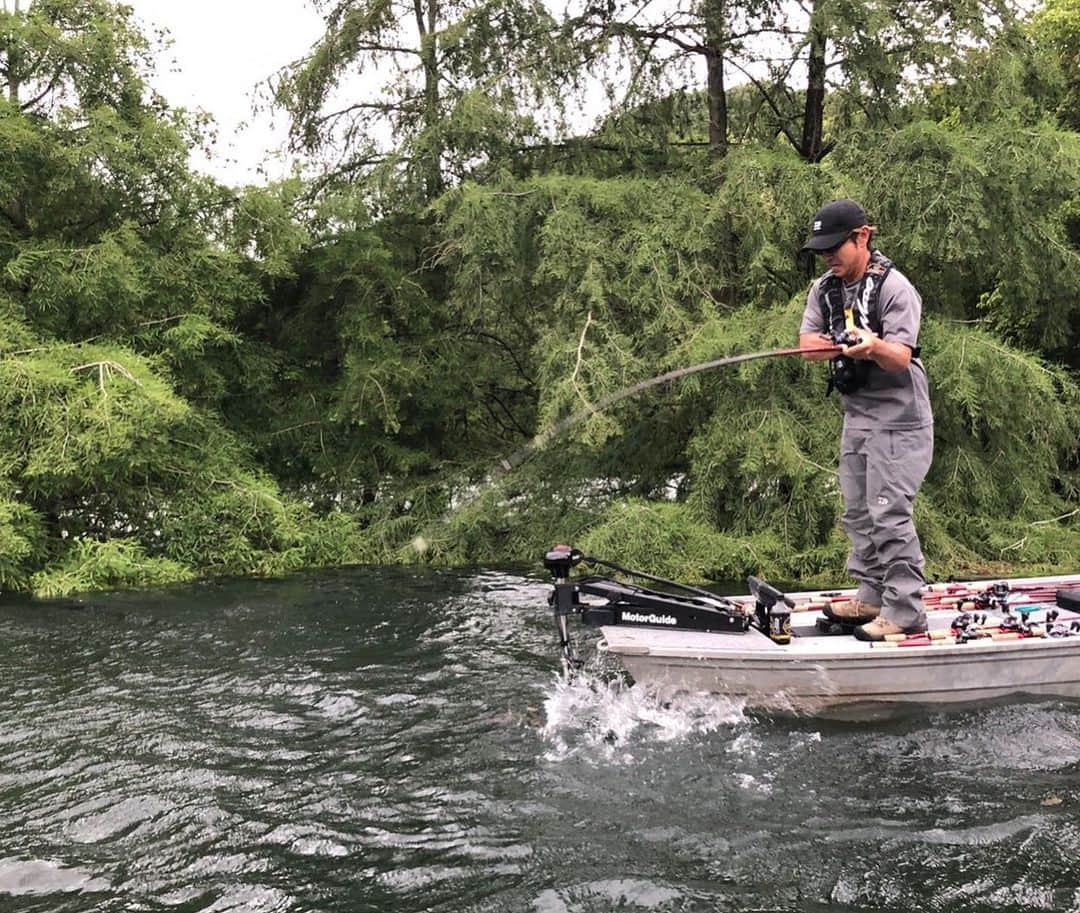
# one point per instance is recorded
(221, 50)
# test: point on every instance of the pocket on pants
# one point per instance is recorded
(915, 444)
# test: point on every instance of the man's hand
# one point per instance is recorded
(864, 349)
(889, 356)
(811, 341)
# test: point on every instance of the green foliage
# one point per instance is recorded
(1012, 77)
(1005, 422)
(674, 541)
(125, 285)
(1057, 27)
(91, 565)
(241, 523)
(22, 538)
(605, 275)
(764, 203)
(670, 541)
(754, 448)
(883, 48)
(75, 54)
(982, 239)
(200, 380)
(83, 417)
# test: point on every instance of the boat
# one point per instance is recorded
(780, 652)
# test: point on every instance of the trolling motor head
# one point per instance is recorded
(561, 559)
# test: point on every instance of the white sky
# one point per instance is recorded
(221, 50)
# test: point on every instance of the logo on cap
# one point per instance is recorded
(817, 225)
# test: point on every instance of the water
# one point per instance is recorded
(382, 740)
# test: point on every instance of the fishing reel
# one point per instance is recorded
(1055, 628)
(994, 597)
(968, 626)
(846, 374)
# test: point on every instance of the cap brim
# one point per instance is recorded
(818, 243)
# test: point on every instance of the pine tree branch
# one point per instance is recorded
(1058, 519)
(506, 347)
(383, 107)
(524, 432)
(387, 48)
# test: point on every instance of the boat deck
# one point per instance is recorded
(817, 671)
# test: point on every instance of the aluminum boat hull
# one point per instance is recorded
(841, 676)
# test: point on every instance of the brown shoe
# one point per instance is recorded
(854, 611)
(880, 628)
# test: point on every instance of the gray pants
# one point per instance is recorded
(880, 473)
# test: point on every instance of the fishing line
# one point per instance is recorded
(541, 440)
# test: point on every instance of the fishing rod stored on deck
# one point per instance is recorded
(638, 606)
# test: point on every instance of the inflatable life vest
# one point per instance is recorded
(849, 374)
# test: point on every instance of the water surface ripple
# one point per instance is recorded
(392, 740)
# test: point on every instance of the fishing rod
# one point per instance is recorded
(519, 456)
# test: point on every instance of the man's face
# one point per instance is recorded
(848, 261)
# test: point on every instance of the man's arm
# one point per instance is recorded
(901, 313)
(812, 333)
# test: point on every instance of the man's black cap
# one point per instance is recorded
(833, 223)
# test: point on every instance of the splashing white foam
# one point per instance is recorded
(587, 712)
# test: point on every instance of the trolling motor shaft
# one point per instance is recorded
(559, 561)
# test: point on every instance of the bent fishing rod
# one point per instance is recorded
(519, 456)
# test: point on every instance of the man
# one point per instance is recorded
(888, 435)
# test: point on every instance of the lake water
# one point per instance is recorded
(391, 740)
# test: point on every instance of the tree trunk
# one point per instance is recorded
(433, 182)
(718, 117)
(13, 63)
(14, 209)
(715, 27)
(813, 147)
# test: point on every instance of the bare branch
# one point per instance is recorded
(781, 117)
(52, 84)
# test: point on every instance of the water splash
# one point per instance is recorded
(587, 712)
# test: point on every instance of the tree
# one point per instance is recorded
(457, 84)
(1057, 27)
(122, 277)
(666, 47)
(794, 57)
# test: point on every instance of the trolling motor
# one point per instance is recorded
(563, 599)
(627, 604)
